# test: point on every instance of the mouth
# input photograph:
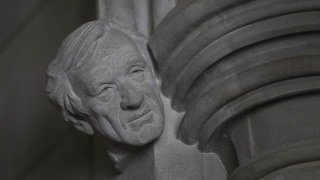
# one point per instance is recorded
(138, 122)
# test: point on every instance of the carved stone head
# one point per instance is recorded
(102, 79)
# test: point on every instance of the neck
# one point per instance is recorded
(167, 158)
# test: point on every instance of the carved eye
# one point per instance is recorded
(106, 93)
(137, 73)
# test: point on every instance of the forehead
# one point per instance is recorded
(113, 58)
(113, 54)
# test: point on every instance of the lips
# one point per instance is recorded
(138, 122)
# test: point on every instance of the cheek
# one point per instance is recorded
(105, 118)
(153, 100)
(149, 86)
(103, 110)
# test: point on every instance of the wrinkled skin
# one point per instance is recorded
(120, 93)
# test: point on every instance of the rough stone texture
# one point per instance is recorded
(142, 16)
(170, 159)
(244, 72)
(102, 81)
(230, 56)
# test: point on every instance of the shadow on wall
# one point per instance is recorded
(35, 142)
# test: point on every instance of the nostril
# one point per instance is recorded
(132, 101)
(131, 97)
(123, 105)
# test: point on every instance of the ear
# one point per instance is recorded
(85, 127)
(81, 125)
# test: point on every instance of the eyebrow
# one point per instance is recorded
(136, 60)
(98, 82)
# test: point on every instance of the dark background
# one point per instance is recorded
(35, 142)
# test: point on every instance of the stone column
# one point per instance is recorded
(143, 16)
(246, 74)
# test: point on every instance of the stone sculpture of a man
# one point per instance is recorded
(103, 82)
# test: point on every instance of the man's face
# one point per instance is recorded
(119, 90)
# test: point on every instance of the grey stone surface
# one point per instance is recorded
(239, 90)
(227, 59)
(142, 16)
(14, 14)
(34, 140)
(310, 171)
(102, 80)
(169, 158)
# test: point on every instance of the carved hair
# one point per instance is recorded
(76, 50)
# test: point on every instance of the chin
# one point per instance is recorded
(147, 134)
(150, 133)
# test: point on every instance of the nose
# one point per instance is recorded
(131, 98)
